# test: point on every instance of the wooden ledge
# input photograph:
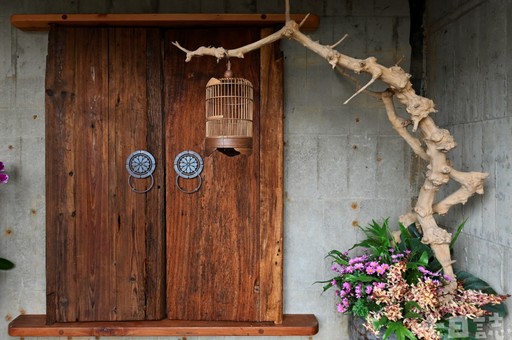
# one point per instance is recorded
(42, 22)
(35, 325)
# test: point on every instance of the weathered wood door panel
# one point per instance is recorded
(104, 242)
(109, 92)
(213, 234)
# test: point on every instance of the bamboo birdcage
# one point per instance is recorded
(229, 115)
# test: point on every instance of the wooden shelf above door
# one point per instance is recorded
(35, 325)
(42, 22)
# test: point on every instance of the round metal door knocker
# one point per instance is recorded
(188, 164)
(140, 164)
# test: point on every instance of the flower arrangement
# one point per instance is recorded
(4, 178)
(398, 285)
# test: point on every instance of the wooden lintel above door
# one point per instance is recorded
(42, 22)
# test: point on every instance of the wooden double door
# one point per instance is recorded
(116, 254)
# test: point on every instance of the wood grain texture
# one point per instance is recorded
(271, 182)
(111, 246)
(42, 22)
(155, 201)
(60, 180)
(293, 324)
(213, 235)
(93, 239)
(116, 255)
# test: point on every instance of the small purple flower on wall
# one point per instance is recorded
(4, 178)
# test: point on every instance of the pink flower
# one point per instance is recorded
(4, 178)
(380, 270)
(359, 266)
(370, 270)
(341, 308)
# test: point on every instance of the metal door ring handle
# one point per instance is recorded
(140, 191)
(185, 191)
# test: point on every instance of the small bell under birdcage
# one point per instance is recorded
(229, 114)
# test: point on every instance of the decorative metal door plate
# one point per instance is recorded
(188, 164)
(140, 164)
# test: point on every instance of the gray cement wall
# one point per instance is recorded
(470, 79)
(344, 165)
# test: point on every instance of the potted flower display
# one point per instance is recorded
(4, 178)
(396, 286)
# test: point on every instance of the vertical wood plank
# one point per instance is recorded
(271, 182)
(94, 242)
(127, 97)
(60, 179)
(212, 235)
(155, 200)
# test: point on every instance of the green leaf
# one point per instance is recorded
(381, 322)
(359, 278)
(5, 264)
(414, 231)
(410, 304)
(424, 259)
(400, 330)
(412, 315)
(470, 281)
(456, 236)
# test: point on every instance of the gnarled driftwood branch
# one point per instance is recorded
(436, 142)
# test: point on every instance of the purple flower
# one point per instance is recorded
(359, 266)
(370, 270)
(333, 282)
(354, 260)
(368, 290)
(380, 285)
(4, 178)
(359, 290)
(338, 268)
(358, 259)
(347, 286)
(380, 270)
(349, 269)
(346, 303)
(341, 308)
(396, 257)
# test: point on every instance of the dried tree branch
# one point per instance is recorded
(437, 141)
(376, 95)
(471, 183)
(339, 41)
(400, 126)
(360, 90)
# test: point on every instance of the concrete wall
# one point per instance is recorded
(470, 79)
(344, 165)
